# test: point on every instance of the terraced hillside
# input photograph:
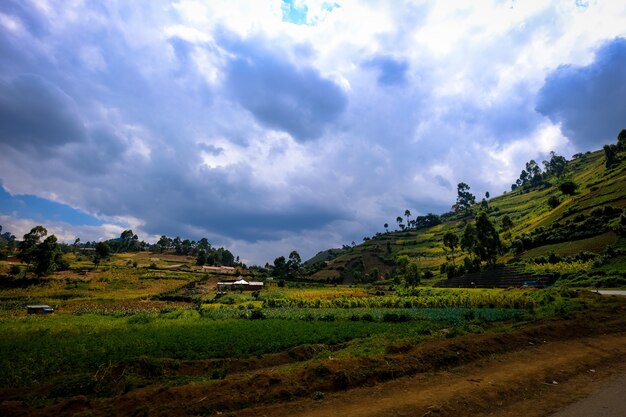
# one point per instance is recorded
(572, 237)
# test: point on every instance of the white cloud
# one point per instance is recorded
(176, 142)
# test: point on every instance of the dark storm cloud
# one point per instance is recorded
(588, 101)
(390, 71)
(281, 95)
(35, 113)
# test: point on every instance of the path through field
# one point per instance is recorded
(533, 382)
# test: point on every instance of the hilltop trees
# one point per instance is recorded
(556, 165)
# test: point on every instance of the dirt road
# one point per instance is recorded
(610, 401)
(533, 382)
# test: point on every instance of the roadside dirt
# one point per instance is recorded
(533, 371)
(532, 382)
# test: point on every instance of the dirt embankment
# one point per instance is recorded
(532, 371)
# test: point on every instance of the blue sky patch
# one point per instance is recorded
(42, 210)
(294, 13)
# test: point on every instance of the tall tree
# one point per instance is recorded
(507, 225)
(451, 241)
(489, 244)
(294, 264)
(621, 140)
(464, 199)
(610, 153)
(28, 246)
(103, 252)
(556, 165)
(48, 257)
(407, 214)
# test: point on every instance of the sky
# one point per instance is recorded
(272, 126)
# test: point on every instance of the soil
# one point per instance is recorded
(533, 371)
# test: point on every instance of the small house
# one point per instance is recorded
(39, 309)
(240, 284)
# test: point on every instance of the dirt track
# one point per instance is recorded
(533, 382)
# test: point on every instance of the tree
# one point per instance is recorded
(48, 257)
(506, 226)
(553, 201)
(469, 238)
(127, 235)
(464, 198)
(294, 264)
(280, 267)
(399, 220)
(568, 187)
(451, 240)
(76, 245)
(103, 252)
(28, 246)
(489, 244)
(407, 214)
(407, 270)
(507, 223)
(204, 244)
(164, 243)
(487, 195)
(556, 165)
(201, 258)
(533, 169)
(386, 226)
(44, 257)
(610, 153)
(621, 140)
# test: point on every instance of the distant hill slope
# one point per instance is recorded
(586, 221)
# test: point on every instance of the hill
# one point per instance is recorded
(566, 228)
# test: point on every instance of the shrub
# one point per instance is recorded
(553, 201)
(257, 314)
(367, 317)
(568, 187)
(395, 318)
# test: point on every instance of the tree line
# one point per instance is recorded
(43, 254)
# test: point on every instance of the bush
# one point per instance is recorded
(395, 318)
(15, 270)
(327, 317)
(257, 314)
(568, 187)
(367, 317)
(553, 201)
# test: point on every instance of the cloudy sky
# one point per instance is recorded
(268, 126)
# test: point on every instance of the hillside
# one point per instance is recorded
(571, 239)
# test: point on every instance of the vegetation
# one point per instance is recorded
(130, 314)
(567, 204)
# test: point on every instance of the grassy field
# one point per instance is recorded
(113, 318)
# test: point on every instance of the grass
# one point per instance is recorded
(42, 347)
(596, 244)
